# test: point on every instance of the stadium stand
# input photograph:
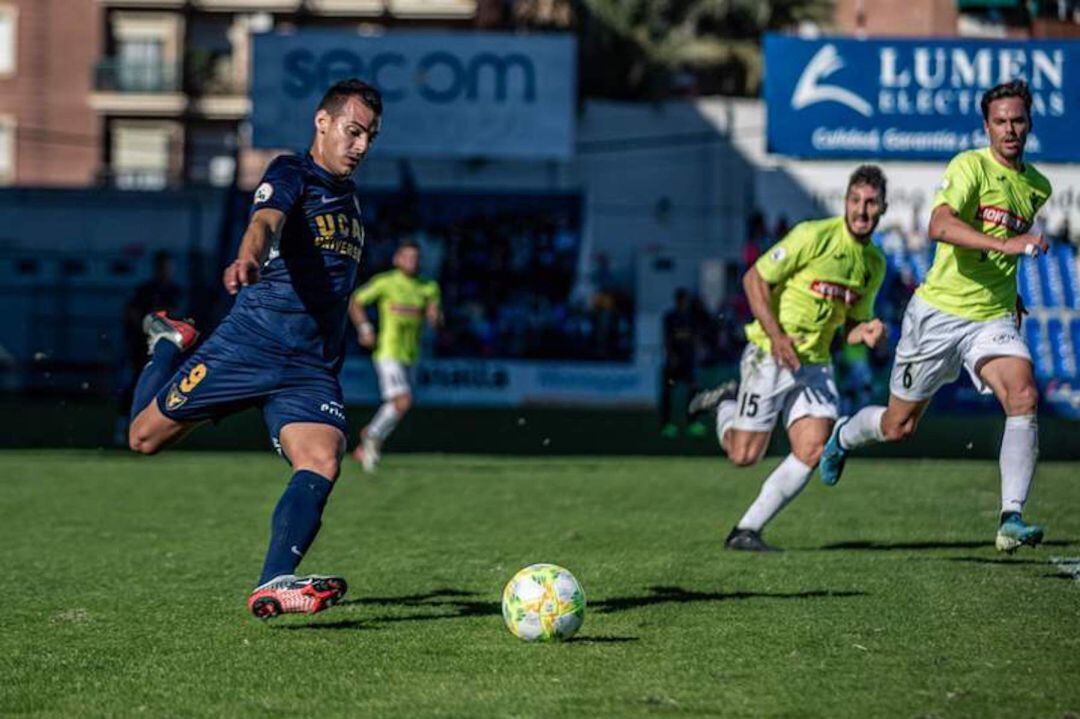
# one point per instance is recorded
(1050, 288)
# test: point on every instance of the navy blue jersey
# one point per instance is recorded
(301, 299)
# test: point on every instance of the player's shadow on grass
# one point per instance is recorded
(1064, 568)
(999, 561)
(901, 546)
(447, 602)
(678, 595)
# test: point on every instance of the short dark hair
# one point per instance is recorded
(408, 244)
(339, 93)
(868, 175)
(161, 257)
(1015, 88)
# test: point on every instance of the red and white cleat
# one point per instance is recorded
(290, 594)
(158, 326)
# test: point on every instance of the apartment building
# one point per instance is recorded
(170, 86)
(48, 136)
(1004, 19)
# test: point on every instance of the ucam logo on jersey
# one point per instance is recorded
(912, 99)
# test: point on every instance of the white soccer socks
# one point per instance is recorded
(863, 428)
(384, 422)
(780, 487)
(1019, 450)
(725, 415)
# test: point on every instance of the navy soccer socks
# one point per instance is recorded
(295, 523)
(163, 363)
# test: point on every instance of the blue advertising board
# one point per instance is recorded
(913, 99)
(445, 95)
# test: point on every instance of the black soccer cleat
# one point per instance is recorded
(748, 540)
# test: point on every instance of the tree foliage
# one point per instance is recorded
(656, 48)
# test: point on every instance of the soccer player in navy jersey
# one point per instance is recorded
(281, 346)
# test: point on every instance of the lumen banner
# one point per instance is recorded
(913, 99)
(465, 94)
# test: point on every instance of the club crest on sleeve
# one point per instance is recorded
(264, 192)
(778, 254)
(944, 184)
(174, 400)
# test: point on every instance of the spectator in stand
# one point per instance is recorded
(511, 286)
(756, 238)
(160, 292)
(681, 330)
(856, 377)
(1062, 236)
(781, 228)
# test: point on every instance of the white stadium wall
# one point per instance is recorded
(801, 189)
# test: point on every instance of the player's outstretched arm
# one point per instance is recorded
(946, 226)
(868, 333)
(365, 333)
(264, 227)
(758, 294)
(434, 315)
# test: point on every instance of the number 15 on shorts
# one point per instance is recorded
(748, 405)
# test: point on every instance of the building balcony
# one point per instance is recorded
(145, 4)
(141, 89)
(207, 90)
(427, 9)
(115, 75)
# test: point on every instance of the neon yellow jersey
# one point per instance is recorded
(999, 202)
(821, 277)
(402, 303)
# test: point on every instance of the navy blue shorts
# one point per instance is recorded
(227, 374)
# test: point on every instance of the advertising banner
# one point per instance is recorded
(913, 99)
(445, 95)
(512, 383)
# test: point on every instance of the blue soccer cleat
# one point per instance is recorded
(833, 456)
(1015, 532)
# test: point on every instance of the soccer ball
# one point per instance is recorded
(542, 603)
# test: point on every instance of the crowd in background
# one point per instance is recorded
(511, 286)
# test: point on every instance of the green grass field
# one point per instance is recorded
(126, 580)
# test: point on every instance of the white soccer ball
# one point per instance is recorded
(543, 602)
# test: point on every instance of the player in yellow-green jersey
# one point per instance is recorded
(820, 279)
(405, 301)
(966, 313)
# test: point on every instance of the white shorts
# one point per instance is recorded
(934, 345)
(767, 390)
(395, 378)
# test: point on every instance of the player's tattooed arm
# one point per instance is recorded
(758, 293)
(946, 226)
(868, 333)
(264, 227)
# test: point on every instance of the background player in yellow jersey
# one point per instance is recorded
(404, 302)
(823, 276)
(965, 313)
